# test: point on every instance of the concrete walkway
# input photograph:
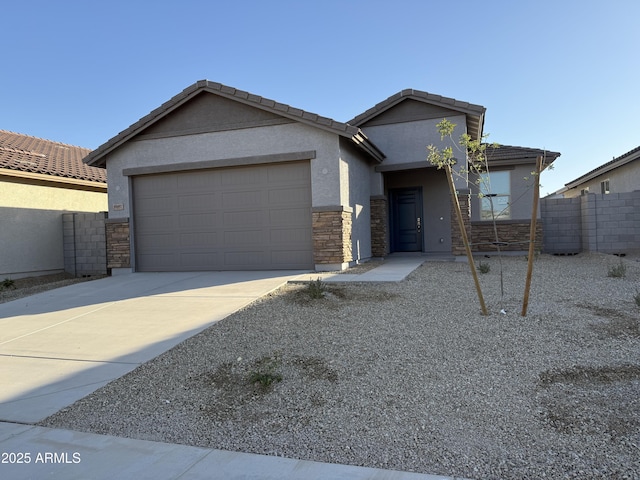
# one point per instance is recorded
(393, 269)
(58, 346)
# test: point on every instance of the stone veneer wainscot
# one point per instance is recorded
(332, 235)
(118, 243)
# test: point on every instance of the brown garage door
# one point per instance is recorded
(241, 218)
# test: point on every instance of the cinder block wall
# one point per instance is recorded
(69, 242)
(592, 223)
(562, 225)
(85, 246)
(616, 217)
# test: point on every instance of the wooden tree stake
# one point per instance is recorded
(532, 236)
(465, 239)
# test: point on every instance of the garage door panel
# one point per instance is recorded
(164, 243)
(244, 259)
(161, 262)
(200, 261)
(157, 184)
(198, 202)
(288, 258)
(282, 174)
(244, 218)
(238, 178)
(156, 203)
(199, 221)
(287, 195)
(203, 180)
(287, 216)
(158, 223)
(207, 240)
(289, 236)
(241, 199)
(243, 238)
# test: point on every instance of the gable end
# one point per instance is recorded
(409, 111)
(275, 113)
(207, 112)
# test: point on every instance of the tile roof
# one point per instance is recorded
(509, 152)
(36, 155)
(97, 157)
(475, 113)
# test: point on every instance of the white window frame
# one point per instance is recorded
(605, 187)
(496, 192)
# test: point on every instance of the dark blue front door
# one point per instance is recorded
(406, 219)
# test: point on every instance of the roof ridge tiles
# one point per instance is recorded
(229, 90)
(97, 156)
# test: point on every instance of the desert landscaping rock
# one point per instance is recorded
(409, 376)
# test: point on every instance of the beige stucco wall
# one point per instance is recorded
(623, 179)
(31, 219)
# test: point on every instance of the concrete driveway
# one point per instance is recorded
(58, 346)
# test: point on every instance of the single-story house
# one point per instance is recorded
(39, 180)
(221, 179)
(598, 211)
(620, 175)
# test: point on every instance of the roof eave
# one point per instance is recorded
(520, 161)
(512, 155)
(361, 140)
(476, 112)
(475, 128)
(97, 158)
(606, 168)
(53, 179)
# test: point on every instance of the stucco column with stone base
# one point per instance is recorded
(332, 237)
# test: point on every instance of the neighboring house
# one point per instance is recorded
(221, 179)
(597, 212)
(620, 175)
(39, 181)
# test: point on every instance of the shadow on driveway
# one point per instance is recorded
(58, 346)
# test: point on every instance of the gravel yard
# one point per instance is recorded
(409, 376)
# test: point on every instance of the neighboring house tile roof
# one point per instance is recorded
(97, 157)
(509, 154)
(475, 113)
(35, 155)
(628, 157)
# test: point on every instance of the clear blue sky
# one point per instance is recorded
(562, 75)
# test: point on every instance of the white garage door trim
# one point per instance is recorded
(254, 217)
